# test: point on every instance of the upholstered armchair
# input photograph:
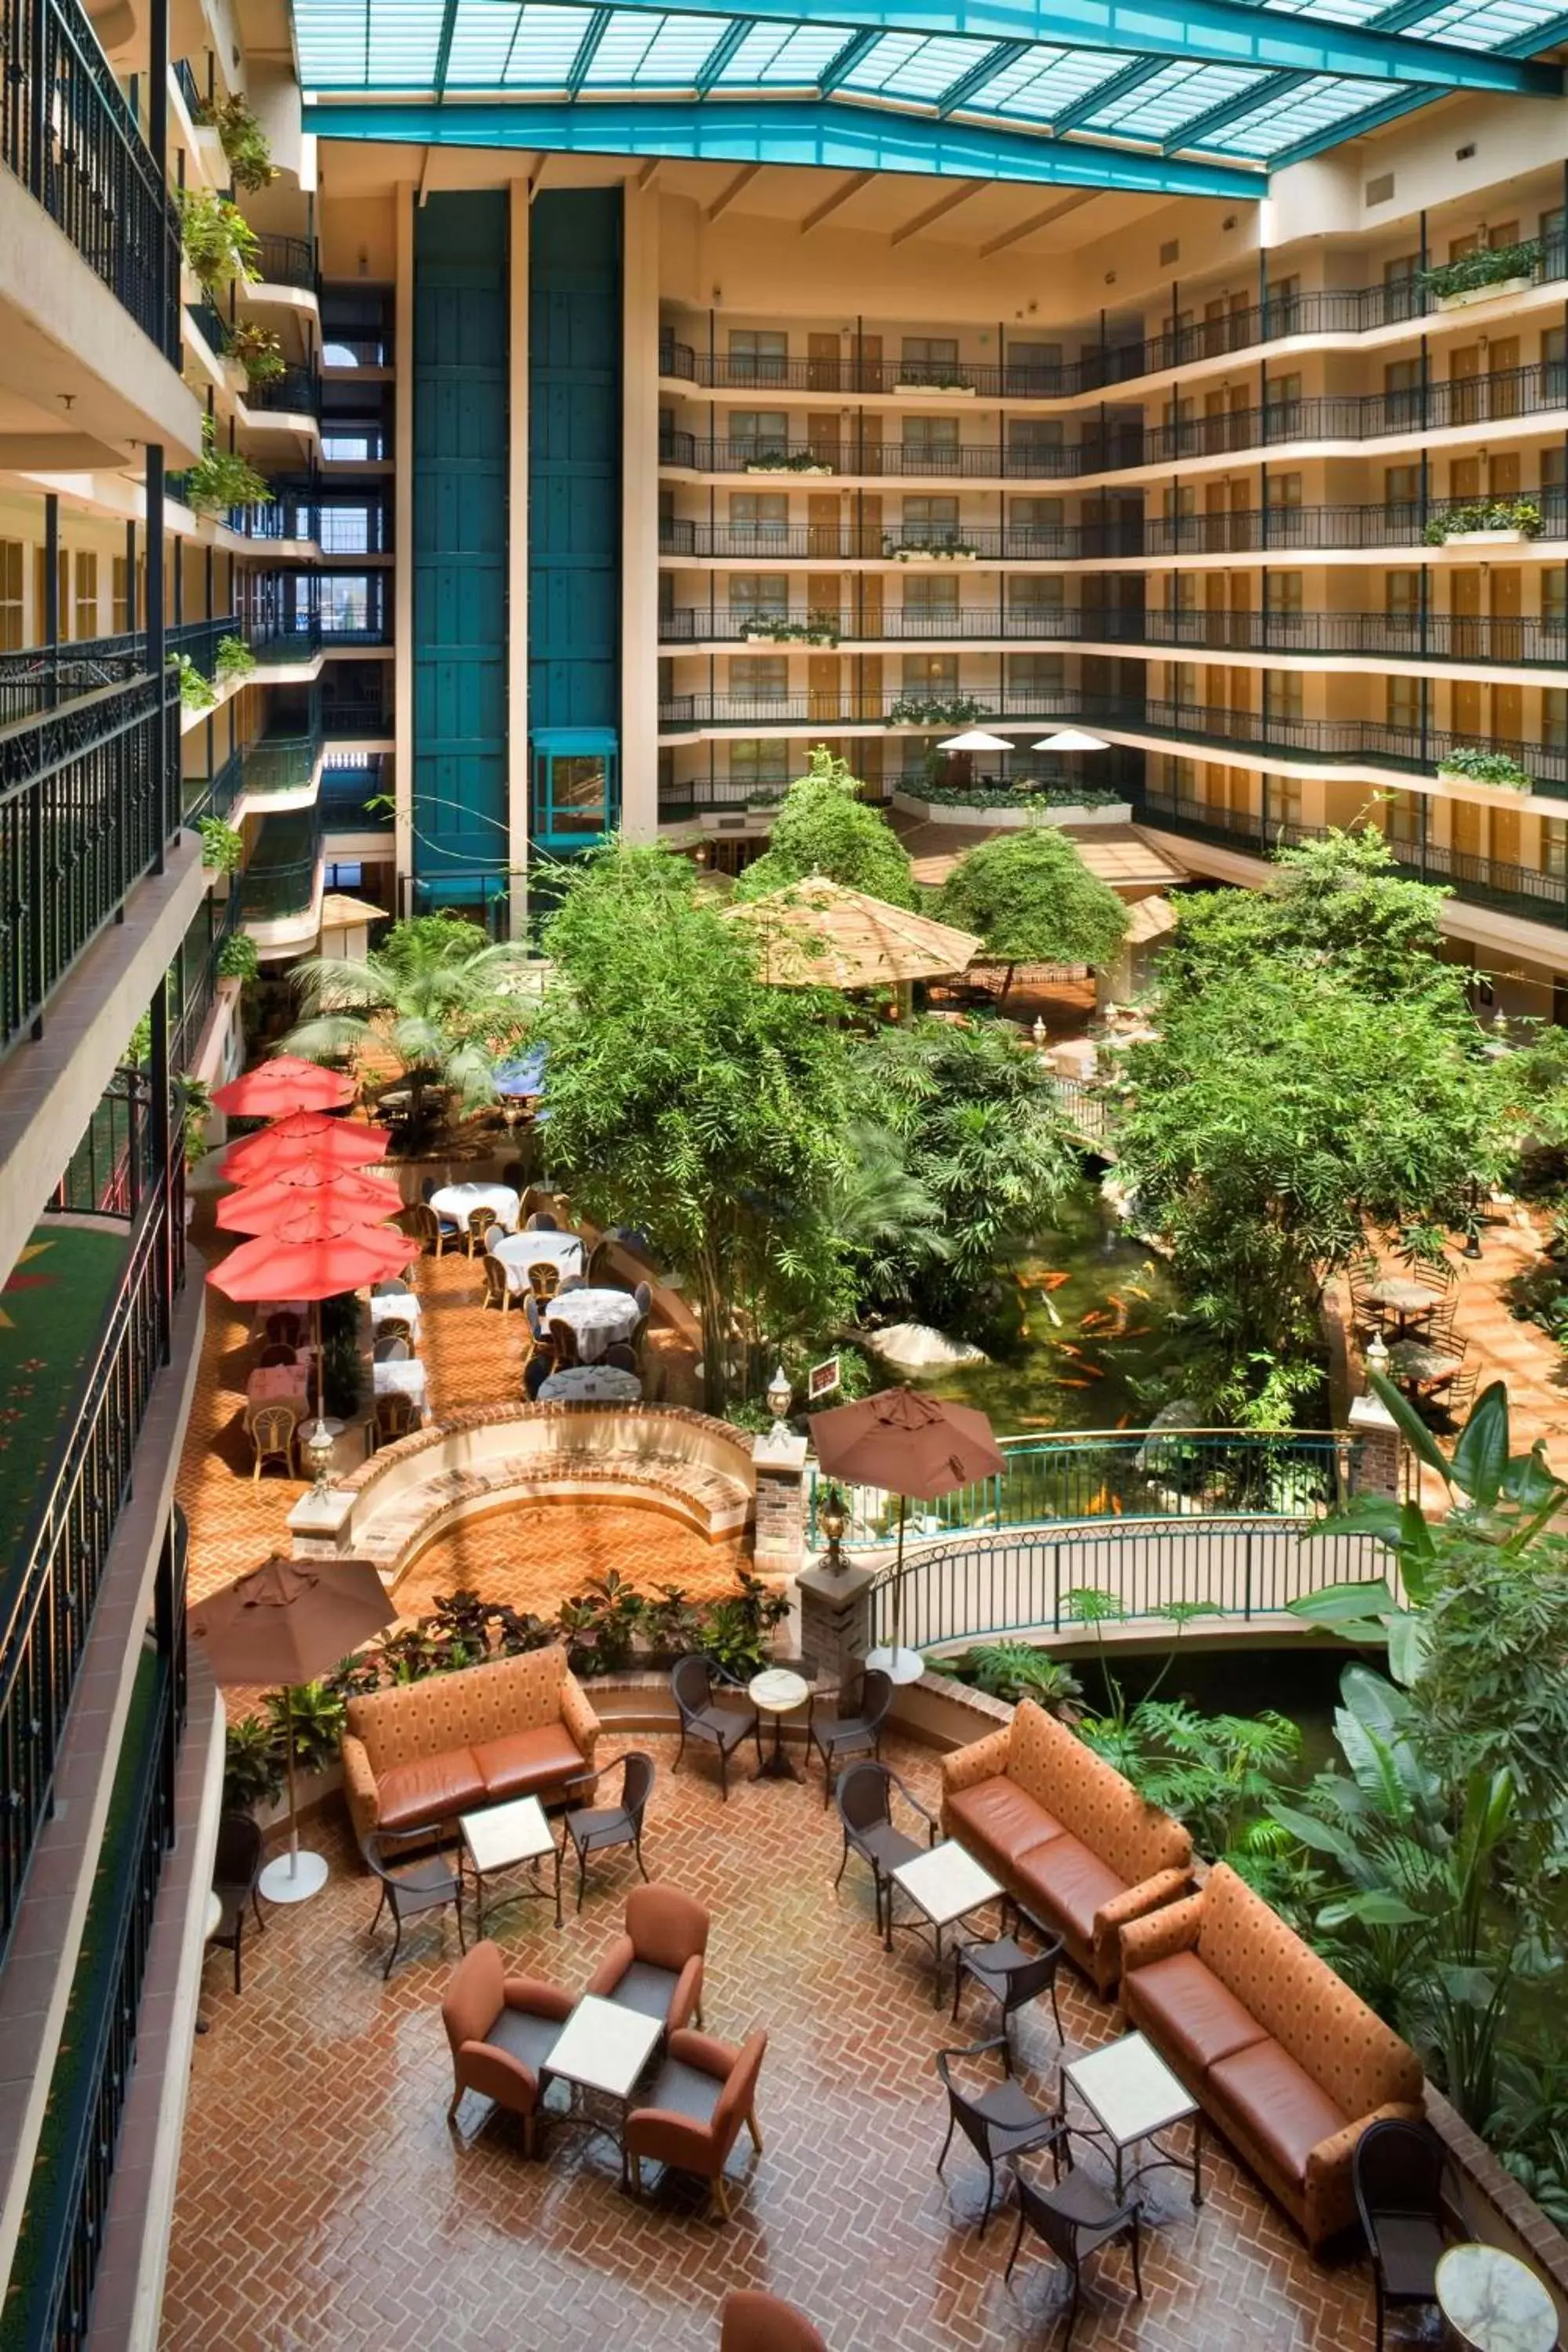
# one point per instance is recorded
(501, 2028)
(655, 1965)
(702, 2094)
(750, 2321)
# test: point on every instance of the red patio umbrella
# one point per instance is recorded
(907, 1444)
(305, 1136)
(258, 1208)
(283, 1085)
(311, 1256)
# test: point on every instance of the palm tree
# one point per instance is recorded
(434, 1009)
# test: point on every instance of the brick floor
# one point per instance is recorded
(322, 2202)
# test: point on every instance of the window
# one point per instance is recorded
(928, 359)
(1555, 718)
(1284, 800)
(1402, 703)
(1401, 821)
(11, 573)
(41, 595)
(1554, 364)
(1555, 594)
(927, 517)
(934, 597)
(1034, 368)
(1283, 592)
(346, 604)
(1035, 678)
(1282, 407)
(1283, 391)
(1283, 695)
(85, 620)
(758, 355)
(935, 437)
(1554, 847)
(1285, 489)
(766, 594)
(1284, 306)
(758, 765)
(120, 597)
(931, 673)
(1035, 593)
(1034, 434)
(1182, 682)
(345, 874)
(1035, 514)
(347, 530)
(352, 448)
(575, 794)
(1402, 486)
(759, 431)
(763, 513)
(1402, 595)
(759, 677)
(1553, 469)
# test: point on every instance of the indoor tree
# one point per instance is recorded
(824, 826)
(1033, 900)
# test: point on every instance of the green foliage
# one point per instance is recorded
(1485, 767)
(1008, 796)
(341, 1373)
(219, 242)
(1033, 900)
(824, 826)
(1221, 1774)
(1489, 264)
(252, 1765)
(220, 478)
(690, 1099)
(198, 1102)
(234, 659)
(982, 1143)
(259, 352)
(934, 711)
(197, 691)
(1485, 514)
(1016, 1670)
(222, 845)
(736, 1631)
(436, 999)
(244, 143)
(601, 1624)
(316, 1711)
(238, 958)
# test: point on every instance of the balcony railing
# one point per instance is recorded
(53, 1583)
(274, 642)
(287, 261)
(214, 795)
(1492, 882)
(1530, 642)
(49, 675)
(284, 516)
(208, 323)
(1118, 776)
(194, 976)
(199, 640)
(280, 879)
(1505, 398)
(70, 136)
(1332, 310)
(348, 783)
(296, 392)
(88, 797)
(1246, 531)
(281, 763)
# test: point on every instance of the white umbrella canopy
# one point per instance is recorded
(1070, 738)
(975, 738)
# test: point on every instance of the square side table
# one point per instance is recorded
(505, 1837)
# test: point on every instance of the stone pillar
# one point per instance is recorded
(323, 1525)
(779, 1542)
(1379, 1456)
(835, 1620)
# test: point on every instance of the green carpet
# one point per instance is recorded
(52, 1310)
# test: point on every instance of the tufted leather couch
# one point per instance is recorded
(1289, 2064)
(427, 1751)
(1065, 1834)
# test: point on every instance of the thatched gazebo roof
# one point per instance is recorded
(817, 934)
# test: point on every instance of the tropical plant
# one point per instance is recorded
(1223, 1775)
(671, 1624)
(1016, 1670)
(197, 691)
(197, 1097)
(1488, 265)
(736, 1630)
(234, 659)
(238, 958)
(244, 144)
(1485, 514)
(1481, 767)
(222, 845)
(933, 710)
(259, 350)
(690, 1099)
(316, 1711)
(221, 479)
(601, 1624)
(253, 1768)
(1008, 796)
(788, 461)
(220, 245)
(342, 1370)
(1033, 900)
(434, 1009)
(825, 827)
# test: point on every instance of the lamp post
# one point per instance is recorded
(779, 1392)
(319, 1454)
(834, 1521)
(1377, 1357)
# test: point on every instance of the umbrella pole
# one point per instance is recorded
(293, 1799)
(293, 1876)
(899, 1579)
(320, 1385)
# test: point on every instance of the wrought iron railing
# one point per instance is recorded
(274, 642)
(1085, 1109)
(89, 795)
(1233, 1565)
(349, 782)
(1332, 310)
(214, 795)
(193, 977)
(208, 323)
(298, 391)
(199, 640)
(281, 763)
(287, 261)
(68, 134)
(47, 676)
(285, 867)
(53, 1582)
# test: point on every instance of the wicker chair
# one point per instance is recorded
(856, 1731)
(1405, 2184)
(1011, 1975)
(543, 1278)
(396, 1417)
(864, 1796)
(236, 1867)
(272, 1428)
(1000, 2124)
(393, 1287)
(285, 1330)
(563, 1341)
(691, 1687)
(498, 1287)
(481, 1220)
(1075, 2219)
(410, 1889)
(543, 1345)
(391, 1350)
(422, 1225)
(277, 1353)
(396, 1326)
(541, 1222)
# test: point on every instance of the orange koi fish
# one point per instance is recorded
(1072, 1384)
(1055, 1281)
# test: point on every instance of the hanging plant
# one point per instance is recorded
(221, 479)
(238, 958)
(234, 659)
(198, 692)
(259, 352)
(222, 846)
(246, 147)
(219, 242)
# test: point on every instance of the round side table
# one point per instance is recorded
(1495, 2302)
(777, 1692)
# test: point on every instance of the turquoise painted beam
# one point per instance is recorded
(843, 62)
(1083, 110)
(1267, 92)
(711, 69)
(839, 137)
(959, 93)
(594, 32)
(1219, 32)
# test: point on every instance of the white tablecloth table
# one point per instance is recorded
(400, 1307)
(457, 1201)
(591, 1384)
(517, 1252)
(599, 1317)
(405, 1379)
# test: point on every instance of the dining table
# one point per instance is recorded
(517, 1252)
(278, 1384)
(405, 1379)
(597, 1318)
(590, 1384)
(396, 1307)
(459, 1201)
(1408, 1302)
(1416, 1365)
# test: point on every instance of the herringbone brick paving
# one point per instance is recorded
(324, 2203)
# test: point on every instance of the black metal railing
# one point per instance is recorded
(283, 517)
(194, 976)
(298, 391)
(89, 795)
(199, 640)
(285, 261)
(113, 1165)
(285, 867)
(54, 1579)
(285, 638)
(349, 783)
(214, 795)
(49, 675)
(281, 763)
(68, 134)
(1098, 364)
(209, 324)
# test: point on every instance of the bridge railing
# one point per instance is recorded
(1119, 1474)
(987, 1588)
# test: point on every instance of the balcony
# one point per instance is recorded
(282, 769)
(70, 136)
(280, 884)
(1332, 310)
(1123, 443)
(351, 782)
(90, 797)
(194, 976)
(216, 795)
(1118, 776)
(48, 676)
(199, 640)
(285, 261)
(277, 641)
(296, 392)
(1488, 882)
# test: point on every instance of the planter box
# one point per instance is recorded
(798, 637)
(1008, 820)
(1505, 795)
(1493, 293)
(1487, 538)
(762, 465)
(935, 555)
(947, 391)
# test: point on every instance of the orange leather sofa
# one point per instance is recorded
(1288, 2063)
(427, 1751)
(1071, 1839)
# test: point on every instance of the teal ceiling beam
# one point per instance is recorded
(842, 64)
(712, 67)
(1081, 109)
(959, 93)
(1216, 32)
(828, 133)
(444, 47)
(1353, 126)
(594, 32)
(1267, 92)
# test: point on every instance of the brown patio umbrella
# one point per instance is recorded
(286, 1622)
(907, 1444)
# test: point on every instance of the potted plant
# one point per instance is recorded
(244, 142)
(220, 478)
(788, 461)
(252, 1765)
(238, 958)
(933, 710)
(1491, 522)
(930, 550)
(234, 659)
(222, 846)
(259, 352)
(1483, 276)
(940, 379)
(1468, 764)
(197, 691)
(220, 245)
